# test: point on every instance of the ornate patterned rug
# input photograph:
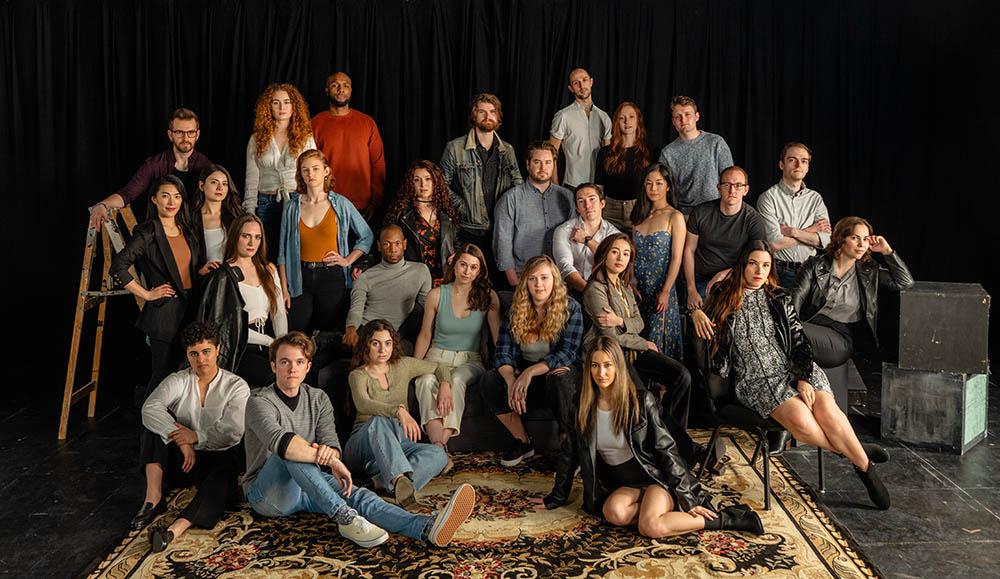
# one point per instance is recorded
(507, 537)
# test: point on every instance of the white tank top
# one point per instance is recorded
(614, 449)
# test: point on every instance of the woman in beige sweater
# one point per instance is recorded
(385, 441)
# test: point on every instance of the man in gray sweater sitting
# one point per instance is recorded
(390, 290)
(293, 461)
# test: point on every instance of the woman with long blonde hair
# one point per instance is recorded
(536, 358)
(632, 474)
(281, 132)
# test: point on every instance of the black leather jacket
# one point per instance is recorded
(656, 452)
(407, 221)
(222, 302)
(809, 294)
(789, 332)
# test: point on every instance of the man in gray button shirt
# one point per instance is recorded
(798, 211)
(580, 129)
(527, 214)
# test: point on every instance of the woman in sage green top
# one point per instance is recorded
(454, 317)
(385, 441)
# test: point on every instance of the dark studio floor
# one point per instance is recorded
(63, 506)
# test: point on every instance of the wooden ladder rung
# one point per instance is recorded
(82, 391)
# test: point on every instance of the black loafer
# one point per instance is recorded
(146, 514)
(159, 538)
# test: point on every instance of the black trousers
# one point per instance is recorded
(832, 342)
(657, 367)
(323, 303)
(255, 366)
(165, 357)
(557, 391)
(214, 474)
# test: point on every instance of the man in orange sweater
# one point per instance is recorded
(352, 145)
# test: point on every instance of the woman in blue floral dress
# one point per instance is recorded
(659, 238)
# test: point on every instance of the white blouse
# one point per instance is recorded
(272, 172)
(218, 424)
(258, 311)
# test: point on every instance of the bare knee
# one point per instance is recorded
(617, 514)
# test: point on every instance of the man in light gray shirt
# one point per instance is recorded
(580, 130)
(390, 290)
(527, 214)
(291, 437)
(574, 242)
(798, 211)
(695, 158)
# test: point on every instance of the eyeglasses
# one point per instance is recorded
(189, 134)
(736, 186)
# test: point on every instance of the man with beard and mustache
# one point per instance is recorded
(180, 160)
(477, 168)
(528, 213)
(580, 130)
(352, 145)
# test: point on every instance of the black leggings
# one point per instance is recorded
(657, 367)
(323, 303)
(214, 475)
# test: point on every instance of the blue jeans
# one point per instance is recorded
(285, 487)
(269, 211)
(379, 448)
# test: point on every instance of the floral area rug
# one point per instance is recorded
(507, 537)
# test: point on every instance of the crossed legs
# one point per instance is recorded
(825, 426)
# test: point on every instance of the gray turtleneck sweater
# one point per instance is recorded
(388, 292)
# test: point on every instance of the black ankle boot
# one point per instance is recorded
(738, 518)
(876, 490)
(875, 453)
(566, 464)
(777, 440)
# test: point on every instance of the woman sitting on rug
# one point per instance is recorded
(758, 343)
(164, 251)
(244, 298)
(632, 474)
(429, 220)
(385, 443)
(215, 207)
(836, 294)
(610, 303)
(193, 426)
(455, 315)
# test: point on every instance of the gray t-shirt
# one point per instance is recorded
(721, 237)
(695, 166)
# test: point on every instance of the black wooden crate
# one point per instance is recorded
(944, 327)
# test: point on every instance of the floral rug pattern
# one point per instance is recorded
(508, 536)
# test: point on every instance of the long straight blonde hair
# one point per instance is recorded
(624, 399)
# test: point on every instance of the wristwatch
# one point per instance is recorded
(587, 239)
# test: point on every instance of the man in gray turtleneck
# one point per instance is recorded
(388, 291)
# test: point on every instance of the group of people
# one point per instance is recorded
(575, 288)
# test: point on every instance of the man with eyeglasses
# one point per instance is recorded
(180, 160)
(798, 211)
(717, 231)
(694, 158)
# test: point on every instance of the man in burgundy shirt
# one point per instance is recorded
(352, 145)
(181, 160)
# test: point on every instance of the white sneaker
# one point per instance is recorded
(363, 533)
(451, 517)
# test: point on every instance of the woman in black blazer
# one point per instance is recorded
(165, 251)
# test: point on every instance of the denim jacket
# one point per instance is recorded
(463, 171)
(290, 252)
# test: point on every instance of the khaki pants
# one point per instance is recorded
(618, 212)
(466, 368)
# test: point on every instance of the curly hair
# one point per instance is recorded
(525, 325)
(406, 197)
(614, 163)
(625, 400)
(481, 294)
(300, 183)
(259, 259)
(842, 230)
(200, 331)
(231, 207)
(726, 297)
(365, 333)
(299, 127)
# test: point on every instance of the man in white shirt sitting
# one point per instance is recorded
(193, 427)
(574, 242)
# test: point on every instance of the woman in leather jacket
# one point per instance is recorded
(836, 294)
(632, 473)
(424, 211)
(164, 249)
(756, 340)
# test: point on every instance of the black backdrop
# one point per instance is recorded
(891, 96)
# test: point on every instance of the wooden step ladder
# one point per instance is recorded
(111, 237)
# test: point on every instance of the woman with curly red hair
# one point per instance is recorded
(424, 211)
(281, 131)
